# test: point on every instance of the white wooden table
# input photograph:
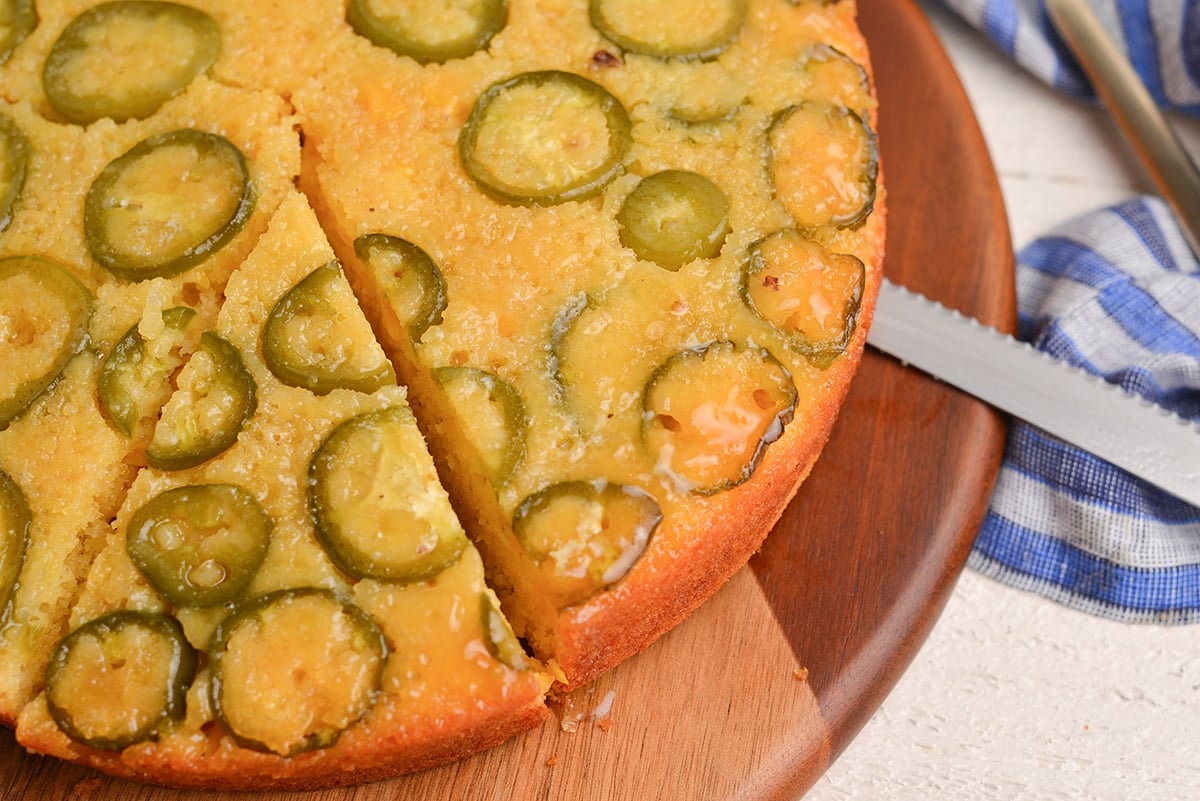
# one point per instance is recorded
(1014, 697)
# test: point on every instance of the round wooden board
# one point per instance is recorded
(758, 692)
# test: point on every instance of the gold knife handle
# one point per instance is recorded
(1143, 124)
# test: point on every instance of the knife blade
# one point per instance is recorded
(1072, 404)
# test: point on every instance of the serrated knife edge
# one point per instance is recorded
(1078, 407)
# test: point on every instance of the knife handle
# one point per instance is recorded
(1139, 118)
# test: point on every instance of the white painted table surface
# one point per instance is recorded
(1014, 697)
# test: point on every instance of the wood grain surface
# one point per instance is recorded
(753, 697)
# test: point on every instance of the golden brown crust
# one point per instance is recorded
(368, 752)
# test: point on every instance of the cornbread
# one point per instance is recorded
(381, 384)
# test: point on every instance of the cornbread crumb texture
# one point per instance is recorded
(572, 265)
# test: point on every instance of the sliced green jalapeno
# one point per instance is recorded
(498, 635)
(493, 414)
(542, 138)
(18, 18)
(709, 414)
(15, 519)
(293, 669)
(412, 284)
(199, 544)
(135, 380)
(700, 29)
(167, 204)
(837, 78)
(429, 33)
(118, 679)
(811, 295)
(674, 217)
(314, 337)
(215, 398)
(44, 314)
(824, 164)
(585, 536)
(123, 60)
(376, 504)
(14, 164)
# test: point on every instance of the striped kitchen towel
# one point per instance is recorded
(1161, 38)
(1115, 292)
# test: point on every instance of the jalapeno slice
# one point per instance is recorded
(585, 536)
(542, 138)
(44, 314)
(837, 78)
(135, 380)
(14, 164)
(429, 33)
(811, 295)
(167, 204)
(123, 60)
(215, 398)
(118, 679)
(492, 413)
(709, 414)
(411, 282)
(316, 337)
(15, 519)
(674, 217)
(199, 544)
(701, 29)
(293, 669)
(825, 164)
(498, 635)
(18, 18)
(376, 504)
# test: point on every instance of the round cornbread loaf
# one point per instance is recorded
(388, 381)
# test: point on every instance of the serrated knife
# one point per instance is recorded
(1078, 407)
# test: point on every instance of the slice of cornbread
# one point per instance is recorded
(443, 689)
(68, 465)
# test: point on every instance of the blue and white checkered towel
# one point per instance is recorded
(1116, 292)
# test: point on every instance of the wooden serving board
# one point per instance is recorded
(757, 693)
